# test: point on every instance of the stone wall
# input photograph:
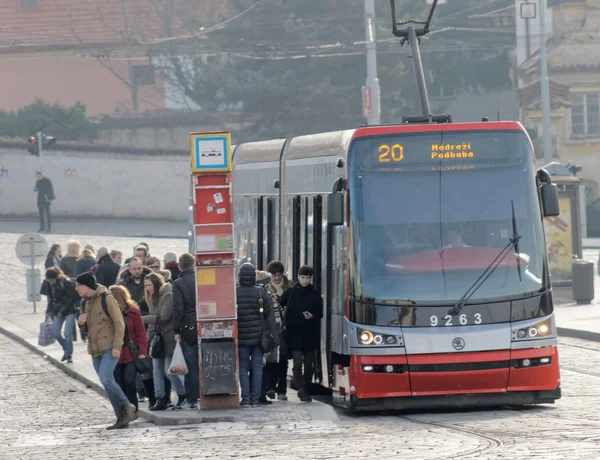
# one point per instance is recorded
(97, 184)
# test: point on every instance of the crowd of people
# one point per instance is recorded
(134, 313)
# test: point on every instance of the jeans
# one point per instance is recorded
(105, 366)
(303, 380)
(251, 394)
(67, 342)
(192, 379)
(125, 375)
(160, 369)
(45, 217)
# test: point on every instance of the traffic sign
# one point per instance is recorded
(32, 249)
(34, 285)
(528, 10)
(211, 152)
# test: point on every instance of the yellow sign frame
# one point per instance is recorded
(211, 152)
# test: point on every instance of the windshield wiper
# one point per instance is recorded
(514, 241)
(516, 238)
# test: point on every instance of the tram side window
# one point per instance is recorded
(296, 236)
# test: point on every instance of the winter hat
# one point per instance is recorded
(88, 279)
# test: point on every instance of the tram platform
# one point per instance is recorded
(572, 319)
(25, 329)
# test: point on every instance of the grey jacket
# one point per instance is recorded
(163, 313)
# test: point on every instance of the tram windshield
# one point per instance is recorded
(431, 211)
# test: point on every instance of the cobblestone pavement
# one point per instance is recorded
(46, 414)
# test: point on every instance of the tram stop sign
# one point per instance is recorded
(31, 250)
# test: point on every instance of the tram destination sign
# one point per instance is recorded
(448, 150)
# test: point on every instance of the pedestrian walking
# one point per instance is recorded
(275, 371)
(135, 332)
(63, 305)
(171, 263)
(45, 191)
(304, 310)
(103, 321)
(255, 316)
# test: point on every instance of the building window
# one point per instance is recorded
(585, 115)
(29, 3)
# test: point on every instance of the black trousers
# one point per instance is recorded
(275, 377)
(125, 376)
(303, 379)
(45, 216)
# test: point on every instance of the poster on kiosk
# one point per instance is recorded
(215, 269)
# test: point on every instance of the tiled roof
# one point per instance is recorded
(64, 24)
(531, 98)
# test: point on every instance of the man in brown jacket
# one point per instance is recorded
(105, 340)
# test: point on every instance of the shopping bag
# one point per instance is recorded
(46, 336)
(178, 365)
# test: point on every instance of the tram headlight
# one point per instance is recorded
(366, 337)
(542, 329)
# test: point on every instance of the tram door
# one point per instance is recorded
(308, 235)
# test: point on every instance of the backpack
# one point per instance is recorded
(105, 309)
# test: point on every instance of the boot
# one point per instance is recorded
(161, 404)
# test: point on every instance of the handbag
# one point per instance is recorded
(189, 333)
(142, 365)
(157, 344)
(267, 343)
(46, 336)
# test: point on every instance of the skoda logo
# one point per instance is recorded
(458, 343)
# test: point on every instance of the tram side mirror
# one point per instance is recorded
(335, 209)
(550, 202)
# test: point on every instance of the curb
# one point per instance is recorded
(578, 334)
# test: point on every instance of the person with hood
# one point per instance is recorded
(255, 315)
(159, 297)
(275, 371)
(185, 323)
(304, 310)
(108, 269)
(135, 332)
(63, 305)
(103, 321)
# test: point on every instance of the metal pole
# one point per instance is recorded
(372, 80)
(32, 258)
(545, 86)
(420, 76)
(40, 143)
(527, 40)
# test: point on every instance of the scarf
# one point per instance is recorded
(278, 288)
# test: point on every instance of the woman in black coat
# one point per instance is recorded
(304, 310)
(63, 305)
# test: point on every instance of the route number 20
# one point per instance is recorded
(393, 153)
(463, 320)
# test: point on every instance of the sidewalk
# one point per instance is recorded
(591, 243)
(25, 329)
(100, 227)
